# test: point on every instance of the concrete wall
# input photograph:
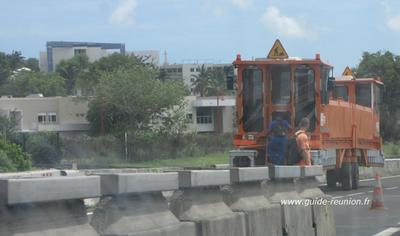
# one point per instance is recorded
(392, 167)
(238, 201)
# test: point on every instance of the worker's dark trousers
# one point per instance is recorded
(277, 149)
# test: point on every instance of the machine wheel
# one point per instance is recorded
(347, 176)
(355, 173)
(331, 178)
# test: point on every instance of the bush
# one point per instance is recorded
(12, 158)
(44, 154)
(43, 148)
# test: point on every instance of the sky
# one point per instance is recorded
(208, 30)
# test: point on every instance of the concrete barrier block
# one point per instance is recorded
(200, 178)
(138, 182)
(283, 172)
(205, 207)
(310, 171)
(16, 191)
(249, 174)
(31, 174)
(221, 166)
(297, 220)
(324, 220)
(47, 218)
(262, 217)
(140, 214)
(308, 188)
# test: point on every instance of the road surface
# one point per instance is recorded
(360, 220)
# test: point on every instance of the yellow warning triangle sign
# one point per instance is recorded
(348, 72)
(277, 51)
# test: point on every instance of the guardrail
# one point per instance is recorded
(236, 202)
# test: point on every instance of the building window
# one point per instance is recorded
(198, 69)
(189, 118)
(204, 120)
(192, 69)
(41, 118)
(52, 117)
(79, 51)
(179, 70)
(44, 118)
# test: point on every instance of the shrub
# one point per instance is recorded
(12, 158)
(43, 148)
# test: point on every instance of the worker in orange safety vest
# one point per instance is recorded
(303, 142)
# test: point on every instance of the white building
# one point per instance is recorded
(62, 114)
(46, 113)
(211, 114)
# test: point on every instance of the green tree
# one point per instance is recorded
(211, 81)
(12, 158)
(5, 70)
(43, 148)
(7, 128)
(387, 66)
(25, 83)
(89, 78)
(71, 69)
(33, 64)
(217, 86)
(202, 81)
(130, 100)
(15, 60)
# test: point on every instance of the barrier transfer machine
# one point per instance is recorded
(343, 113)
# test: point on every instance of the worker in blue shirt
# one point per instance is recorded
(278, 140)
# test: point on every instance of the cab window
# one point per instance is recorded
(342, 92)
(252, 100)
(280, 84)
(305, 95)
(363, 95)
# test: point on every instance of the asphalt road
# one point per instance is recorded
(360, 220)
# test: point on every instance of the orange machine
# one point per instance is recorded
(344, 112)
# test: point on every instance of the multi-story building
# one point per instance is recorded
(56, 51)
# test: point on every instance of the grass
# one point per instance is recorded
(196, 161)
(200, 161)
(391, 149)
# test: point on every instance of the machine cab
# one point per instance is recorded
(366, 92)
(291, 88)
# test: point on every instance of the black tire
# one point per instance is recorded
(355, 172)
(331, 178)
(346, 176)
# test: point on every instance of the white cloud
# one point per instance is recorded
(242, 4)
(393, 23)
(285, 26)
(219, 12)
(123, 14)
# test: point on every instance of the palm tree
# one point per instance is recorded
(202, 81)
